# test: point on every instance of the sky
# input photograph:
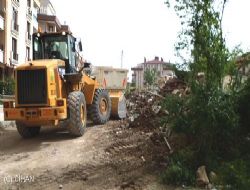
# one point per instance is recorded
(139, 28)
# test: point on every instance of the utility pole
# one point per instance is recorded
(122, 59)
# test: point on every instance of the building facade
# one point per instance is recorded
(2, 36)
(163, 69)
(20, 21)
(47, 19)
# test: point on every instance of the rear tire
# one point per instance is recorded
(27, 132)
(77, 113)
(100, 109)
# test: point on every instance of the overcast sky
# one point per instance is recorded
(141, 28)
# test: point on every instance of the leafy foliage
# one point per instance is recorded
(235, 174)
(216, 120)
(180, 170)
(7, 87)
(244, 108)
(150, 76)
(181, 73)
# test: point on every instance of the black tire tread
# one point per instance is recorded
(75, 125)
(27, 132)
(94, 111)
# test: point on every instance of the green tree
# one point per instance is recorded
(150, 76)
(208, 116)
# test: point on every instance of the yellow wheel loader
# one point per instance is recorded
(57, 86)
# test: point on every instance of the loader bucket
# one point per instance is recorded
(118, 103)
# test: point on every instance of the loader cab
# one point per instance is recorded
(57, 46)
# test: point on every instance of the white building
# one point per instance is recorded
(163, 70)
(47, 8)
(20, 21)
(47, 19)
(2, 36)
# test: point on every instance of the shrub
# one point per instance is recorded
(181, 74)
(235, 175)
(7, 87)
(244, 107)
(180, 170)
(208, 117)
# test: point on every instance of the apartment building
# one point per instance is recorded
(47, 19)
(20, 21)
(162, 68)
(2, 35)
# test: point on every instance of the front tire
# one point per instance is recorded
(77, 113)
(27, 132)
(100, 109)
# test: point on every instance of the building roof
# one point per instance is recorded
(136, 69)
(156, 60)
(54, 19)
(49, 18)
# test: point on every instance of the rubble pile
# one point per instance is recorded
(142, 108)
(174, 86)
(145, 106)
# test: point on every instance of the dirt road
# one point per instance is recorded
(111, 156)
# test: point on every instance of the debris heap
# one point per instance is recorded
(145, 107)
(174, 86)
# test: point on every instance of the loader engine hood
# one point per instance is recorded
(37, 83)
(45, 63)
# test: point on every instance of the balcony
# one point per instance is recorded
(29, 13)
(1, 23)
(14, 58)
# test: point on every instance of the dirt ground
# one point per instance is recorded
(110, 156)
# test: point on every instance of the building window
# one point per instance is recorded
(14, 49)
(14, 19)
(27, 53)
(29, 3)
(28, 31)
